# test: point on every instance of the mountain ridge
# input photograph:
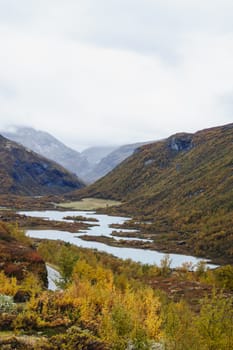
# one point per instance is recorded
(47, 145)
(183, 185)
(112, 160)
(89, 165)
(24, 172)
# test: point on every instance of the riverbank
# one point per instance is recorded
(93, 233)
(39, 223)
(166, 242)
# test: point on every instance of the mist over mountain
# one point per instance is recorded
(47, 145)
(89, 165)
(95, 154)
(110, 161)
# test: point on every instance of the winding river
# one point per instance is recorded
(102, 228)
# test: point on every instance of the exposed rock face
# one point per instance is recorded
(24, 172)
(181, 142)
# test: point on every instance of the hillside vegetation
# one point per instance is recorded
(182, 187)
(23, 172)
(18, 258)
(108, 304)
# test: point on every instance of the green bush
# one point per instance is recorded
(224, 277)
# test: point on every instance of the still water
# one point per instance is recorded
(144, 256)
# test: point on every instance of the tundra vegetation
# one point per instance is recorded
(179, 191)
(106, 303)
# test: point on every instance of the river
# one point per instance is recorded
(144, 256)
(53, 276)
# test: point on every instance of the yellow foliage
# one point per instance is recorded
(31, 283)
(8, 285)
(152, 320)
(117, 315)
(19, 234)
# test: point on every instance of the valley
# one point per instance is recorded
(89, 165)
(116, 175)
(182, 187)
(94, 234)
(121, 234)
(155, 232)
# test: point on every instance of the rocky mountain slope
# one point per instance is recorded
(45, 144)
(181, 186)
(110, 161)
(89, 165)
(24, 172)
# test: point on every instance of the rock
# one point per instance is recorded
(182, 142)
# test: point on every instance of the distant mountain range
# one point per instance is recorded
(179, 190)
(182, 186)
(89, 165)
(23, 172)
(95, 154)
(48, 146)
(111, 161)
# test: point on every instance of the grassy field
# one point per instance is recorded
(89, 204)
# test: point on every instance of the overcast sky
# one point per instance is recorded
(97, 72)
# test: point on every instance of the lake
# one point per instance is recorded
(145, 256)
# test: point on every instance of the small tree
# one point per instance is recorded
(165, 266)
(66, 263)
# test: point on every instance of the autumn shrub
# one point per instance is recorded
(77, 339)
(31, 284)
(178, 327)
(28, 320)
(110, 298)
(117, 315)
(215, 322)
(19, 234)
(8, 285)
(211, 329)
(165, 266)
(224, 277)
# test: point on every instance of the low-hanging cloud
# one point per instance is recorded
(115, 72)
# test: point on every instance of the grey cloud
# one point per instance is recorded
(226, 104)
(145, 26)
(152, 26)
(14, 12)
(7, 91)
(91, 72)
